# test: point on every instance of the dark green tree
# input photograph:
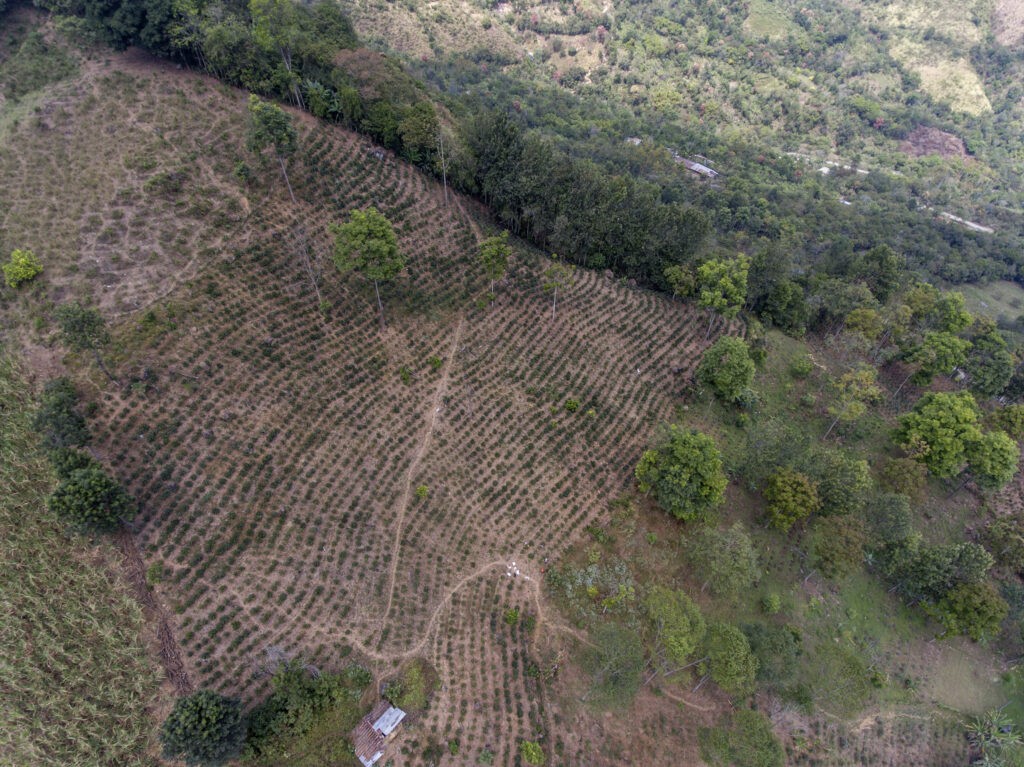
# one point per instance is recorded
(83, 329)
(203, 729)
(726, 368)
(90, 499)
(616, 661)
(989, 365)
(58, 420)
(725, 559)
(972, 609)
(684, 473)
(367, 244)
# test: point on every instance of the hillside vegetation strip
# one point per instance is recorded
(76, 681)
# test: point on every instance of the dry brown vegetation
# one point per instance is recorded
(276, 449)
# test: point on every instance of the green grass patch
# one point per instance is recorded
(769, 20)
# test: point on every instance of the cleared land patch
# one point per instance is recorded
(952, 80)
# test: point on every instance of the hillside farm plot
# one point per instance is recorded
(123, 209)
(311, 486)
(276, 455)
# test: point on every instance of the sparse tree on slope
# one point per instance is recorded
(367, 244)
(494, 255)
(83, 329)
(722, 286)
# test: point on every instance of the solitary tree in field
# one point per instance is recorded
(494, 254)
(270, 126)
(367, 244)
(558, 276)
(204, 729)
(722, 286)
(83, 329)
(90, 499)
(683, 472)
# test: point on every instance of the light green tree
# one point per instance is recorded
(676, 623)
(558, 276)
(726, 368)
(939, 429)
(992, 459)
(23, 267)
(855, 390)
(494, 255)
(367, 244)
(939, 353)
(683, 472)
(722, 286)
(531, 752)
(725, 559)
(731, 664)
(791, 497)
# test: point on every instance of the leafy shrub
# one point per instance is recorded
(531, 752)
(90, 499)
(837, 545)
(23, 267)
(973, 609)
(746, 740)
(203, 729)
(791, 496)
(58, 421)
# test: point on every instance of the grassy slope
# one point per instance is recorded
(77, 685)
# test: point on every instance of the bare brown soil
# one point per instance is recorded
(925, 141)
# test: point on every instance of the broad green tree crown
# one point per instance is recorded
(726, 368)
(367, 244)
(683, 472)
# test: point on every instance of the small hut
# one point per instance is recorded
(373, 733)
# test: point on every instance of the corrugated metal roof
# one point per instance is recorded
(389, 720)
